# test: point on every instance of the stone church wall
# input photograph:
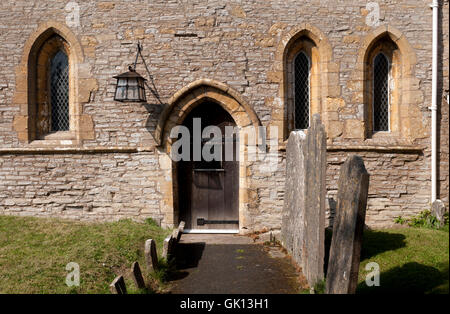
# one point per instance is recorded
(115, 168)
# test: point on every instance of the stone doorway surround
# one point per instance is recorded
(179, 106)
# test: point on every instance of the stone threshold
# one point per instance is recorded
(74, 150)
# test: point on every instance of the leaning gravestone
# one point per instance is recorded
(168, 247)
(438, 211)
(136, 274)
(118, 286)
(151, 258)
(180, 230)
(348, 226)
(303, 221)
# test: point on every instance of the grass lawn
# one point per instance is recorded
(413, 260)
(35, 251)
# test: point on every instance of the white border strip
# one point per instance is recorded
(227, 231)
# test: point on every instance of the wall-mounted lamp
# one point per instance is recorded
(130, 85)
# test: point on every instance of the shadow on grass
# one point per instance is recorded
(374, 243)
(408, 278)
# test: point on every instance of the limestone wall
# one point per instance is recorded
(82, 186)
(238, 43)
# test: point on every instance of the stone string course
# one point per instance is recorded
(233, 42)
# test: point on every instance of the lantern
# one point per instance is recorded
(130, 87)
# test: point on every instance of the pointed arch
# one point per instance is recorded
(323, 74)
(80, 81)
(178, 108)
(405, 121)
(184, 100)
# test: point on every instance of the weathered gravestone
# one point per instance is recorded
(175, 234)
(348, 226)
(136, 274)
(438, 211)
(303, 221)
(118, 286)
(151, 257)
(168, 247)
(180, 230)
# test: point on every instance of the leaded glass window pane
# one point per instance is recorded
(381, 93)
(59, 90)
(301, 97)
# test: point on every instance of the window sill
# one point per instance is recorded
(56, 139)
(60, 135)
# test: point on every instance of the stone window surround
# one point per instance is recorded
(81, 85)
(324, 76)
(388, 48)
(329, 101)
(406, 121)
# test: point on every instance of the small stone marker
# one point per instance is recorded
(151, 257)
(180, 230)
(343, 264)
(118, 286)
(438, 211)
(175, 234)
(167, 247)
(136, 274)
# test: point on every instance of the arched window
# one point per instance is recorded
(302, 67)
(380, 93)
(52, 84)
(59, 92)
(301, 81)
(383, 92)
(53, 88)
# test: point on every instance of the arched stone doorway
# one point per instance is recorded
(179, 107)
(208, 190)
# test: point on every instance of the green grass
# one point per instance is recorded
(35, 251)
(413, 260)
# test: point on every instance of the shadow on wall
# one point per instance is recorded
(408, 278)
(154, 110)
(374, 243)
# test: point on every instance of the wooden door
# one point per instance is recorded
(209, 197)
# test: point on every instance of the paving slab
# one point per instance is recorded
(231, 264)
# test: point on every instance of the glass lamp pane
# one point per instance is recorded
(132, 82)
(120, 93)
(122, 82)
(132, 93)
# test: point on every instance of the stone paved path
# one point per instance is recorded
(211, 264)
